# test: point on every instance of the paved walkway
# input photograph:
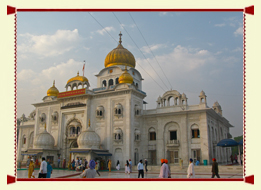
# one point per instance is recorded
(120, 174)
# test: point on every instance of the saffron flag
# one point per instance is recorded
(83, 68)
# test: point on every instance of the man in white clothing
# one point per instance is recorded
(164, 170)
(140, 169)
(43, 169)
(190, 172)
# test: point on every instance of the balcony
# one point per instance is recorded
(73, 136)
(173, 143)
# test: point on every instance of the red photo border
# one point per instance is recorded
(246, 10)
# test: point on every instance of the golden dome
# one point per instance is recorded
(53, 91)
(125, 77)
(120, 56)
(80, 78)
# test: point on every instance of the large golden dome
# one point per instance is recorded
(125, 77)
(79, 78)
(53, 91)
(120, 56)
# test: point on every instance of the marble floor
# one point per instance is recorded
(120, 174)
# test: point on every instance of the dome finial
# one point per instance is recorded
(78, 73)
(53, 83)
(120, 38)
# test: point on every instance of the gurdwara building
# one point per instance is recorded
(110, 122)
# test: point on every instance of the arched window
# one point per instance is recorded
(100, 111)
(78, 130)
(110, 82)
(152, 134)
(117, 80)
(195, 131)
(137, 134)
(104, 83)
(118, 110)
(118, 135)
(24, 139)
(72, 130)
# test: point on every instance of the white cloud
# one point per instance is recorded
(239, 31)
(238, 49)
(220, 25)
(48, 45)
(153, 47)
(185, 59)
(163, 13)
(103, 31)
(37, 83)
(26, 75)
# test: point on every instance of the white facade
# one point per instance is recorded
(173, 130)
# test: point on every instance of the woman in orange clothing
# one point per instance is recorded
(31, 169)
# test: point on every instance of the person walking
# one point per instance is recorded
(49, 169)
(109, 165)
(97, 168)
(146, 164)
(64, 163)
(31, 169)
(86, 164)
(214, 168)
(28, 162)
(164, 171)
(127, 167)
(43, 169)
(118, 165)
(58, 162)
(235, 158)
(181, 163)
(140, 169)
(190, 171)
(90, 172)
(169, 173)
(232, 158)
(130, 162)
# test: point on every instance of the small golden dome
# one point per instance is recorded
(125, 77)
(80, 78)
(120, 56)
(53, 91)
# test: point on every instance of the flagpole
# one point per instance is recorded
(83, 68)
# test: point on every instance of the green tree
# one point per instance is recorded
(235, 148)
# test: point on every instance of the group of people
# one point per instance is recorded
(45, 169)
(237, 158)
(93, 169)
(79, 164)
(166, 173)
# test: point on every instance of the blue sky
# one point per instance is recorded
(197, 51)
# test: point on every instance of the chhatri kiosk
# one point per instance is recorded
(119, 127)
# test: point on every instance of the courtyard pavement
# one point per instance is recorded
(60, 173)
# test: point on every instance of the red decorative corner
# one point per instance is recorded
(10, 179)
(10, 10)
(249, 179)
(249, 10)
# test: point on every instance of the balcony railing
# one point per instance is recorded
(173, 143)
(73, 135)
